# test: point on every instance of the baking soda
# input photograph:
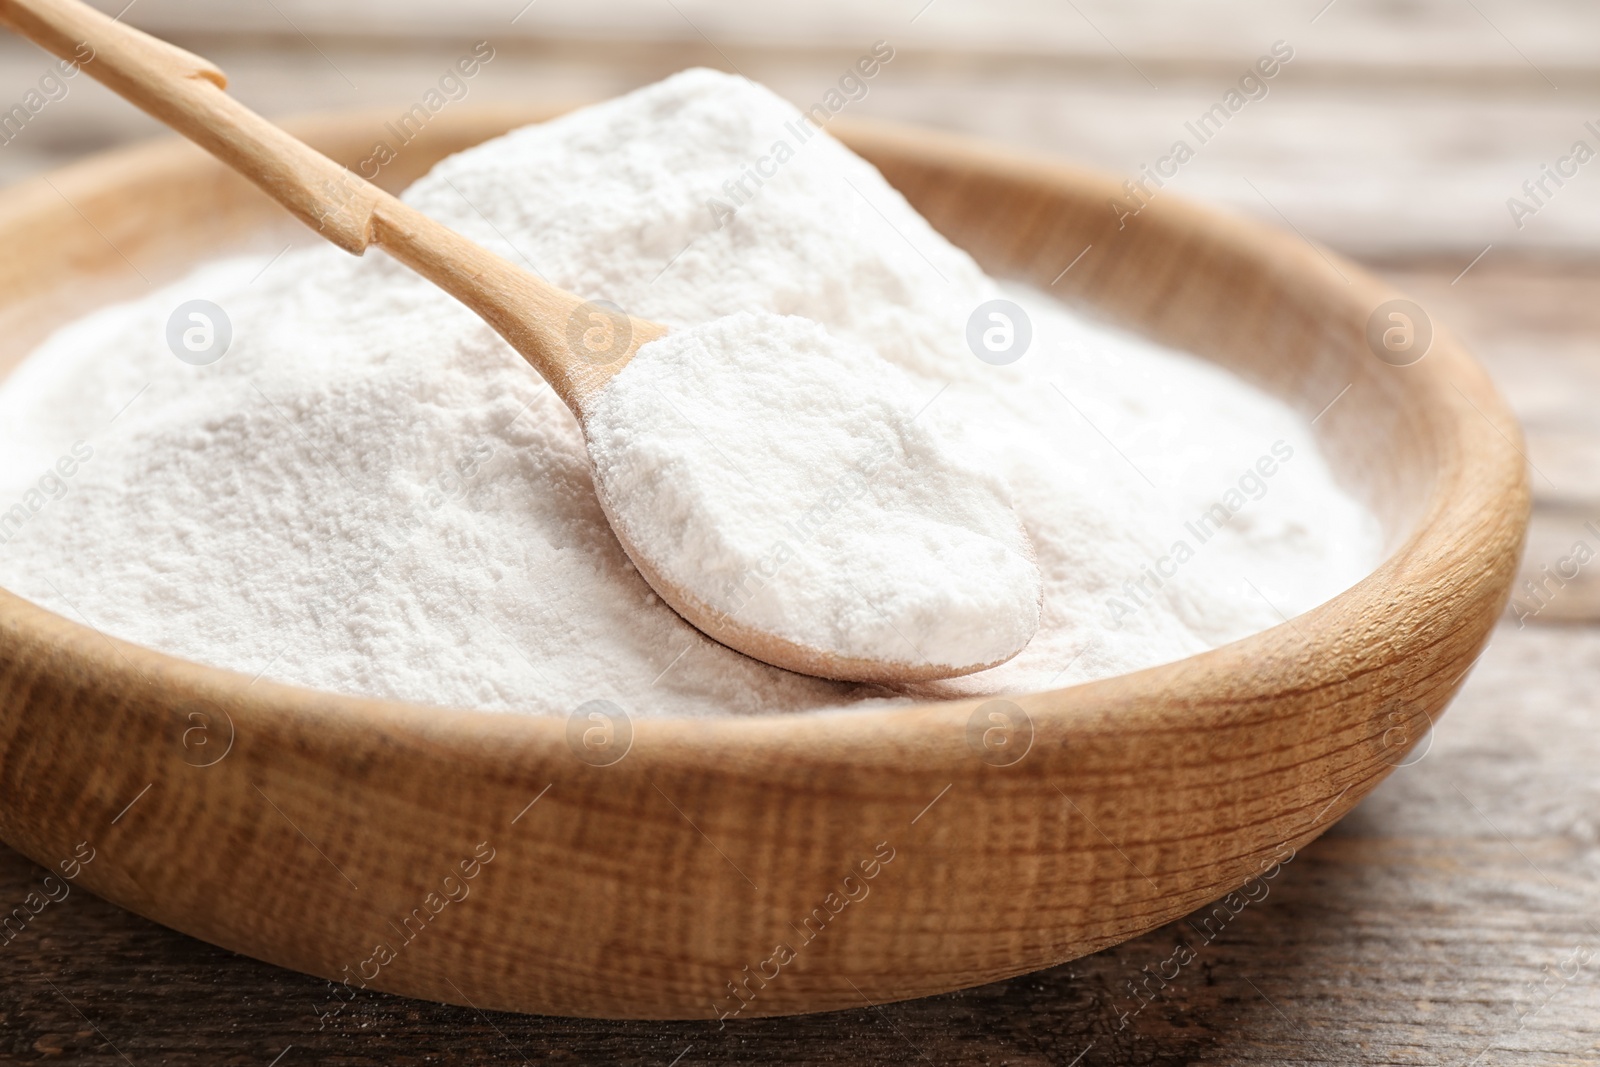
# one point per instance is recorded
(372, 494)
(781, 477)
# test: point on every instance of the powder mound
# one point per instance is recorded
(782, 477)
(372, 494)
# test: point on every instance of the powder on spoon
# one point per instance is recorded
(781, 476)
(372, 494)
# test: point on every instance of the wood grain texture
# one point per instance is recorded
(1426, 36)
(1533, 323)
(647, 887)
(1420, 930)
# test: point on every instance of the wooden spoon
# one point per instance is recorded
(577, 345)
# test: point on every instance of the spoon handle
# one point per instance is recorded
(187, 93)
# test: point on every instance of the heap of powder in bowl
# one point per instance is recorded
(370, 493)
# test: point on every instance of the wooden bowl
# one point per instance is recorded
(777, 864)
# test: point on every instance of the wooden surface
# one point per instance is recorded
(1417, 931)
(1420, 928)
(1399, 128)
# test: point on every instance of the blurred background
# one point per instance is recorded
(1440, 922)
(1399, 128)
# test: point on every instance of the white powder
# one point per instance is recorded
(780, 476)
(373, 494)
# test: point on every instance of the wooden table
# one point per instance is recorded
(1453, 918)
